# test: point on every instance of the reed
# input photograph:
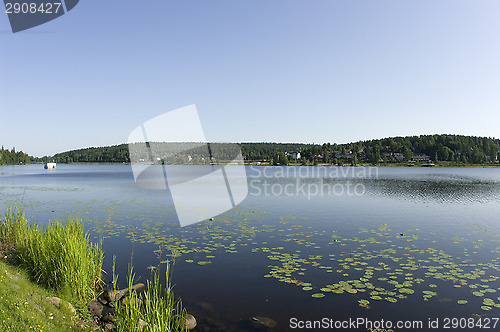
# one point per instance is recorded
(153, 311)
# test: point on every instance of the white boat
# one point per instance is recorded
(50, 165)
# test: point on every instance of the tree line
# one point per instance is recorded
(14, 158)
(436, 148)
(449, 148)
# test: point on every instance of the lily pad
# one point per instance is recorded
(204, 262)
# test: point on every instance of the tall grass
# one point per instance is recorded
(61, 257)
(157, 308)
(57, 256)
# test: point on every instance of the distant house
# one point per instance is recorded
(293, 155)
(347, 155)
(420, 157)
(398, 156)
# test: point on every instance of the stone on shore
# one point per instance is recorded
(113, 296)
(58, 302)
(95, 308)
(190, 321)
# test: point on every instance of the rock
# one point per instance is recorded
(112, 296)
(107, 318)
(58, 302)
(265, 321)
(15, 277)
(102, 300)
(142, 324)
(109, 327)
(134, 300)
(70, 307)
(205, 306)
(190, 321)
(138, 286)
(95, 308)
(54, 300)
(108, 295)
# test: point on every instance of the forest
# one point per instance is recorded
(452, 149)
(445, 148)
(14, 158)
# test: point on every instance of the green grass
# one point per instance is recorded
(59, 257)
(161, 312)
(23, 305)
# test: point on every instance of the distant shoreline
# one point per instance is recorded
(413, 165)
(443, 150)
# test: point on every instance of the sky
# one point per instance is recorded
(311, 71)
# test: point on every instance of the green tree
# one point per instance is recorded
(283, 160)
(354, 159)
(276, 160)
(407, 154)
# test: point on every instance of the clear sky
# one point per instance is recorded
(257, 70)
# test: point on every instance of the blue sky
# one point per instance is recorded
(282, 71)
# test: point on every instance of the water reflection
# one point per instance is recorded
(437, 190)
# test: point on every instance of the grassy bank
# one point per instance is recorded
(60, 260)
(24, 305)
(59, 257)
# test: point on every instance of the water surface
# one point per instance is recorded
(307, 243)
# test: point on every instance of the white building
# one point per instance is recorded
(294, 155)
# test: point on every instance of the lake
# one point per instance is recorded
(327, 244)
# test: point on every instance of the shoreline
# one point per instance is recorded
(416, 165)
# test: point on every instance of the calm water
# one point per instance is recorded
(307, 243)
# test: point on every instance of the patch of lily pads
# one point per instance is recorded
(381, 264)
